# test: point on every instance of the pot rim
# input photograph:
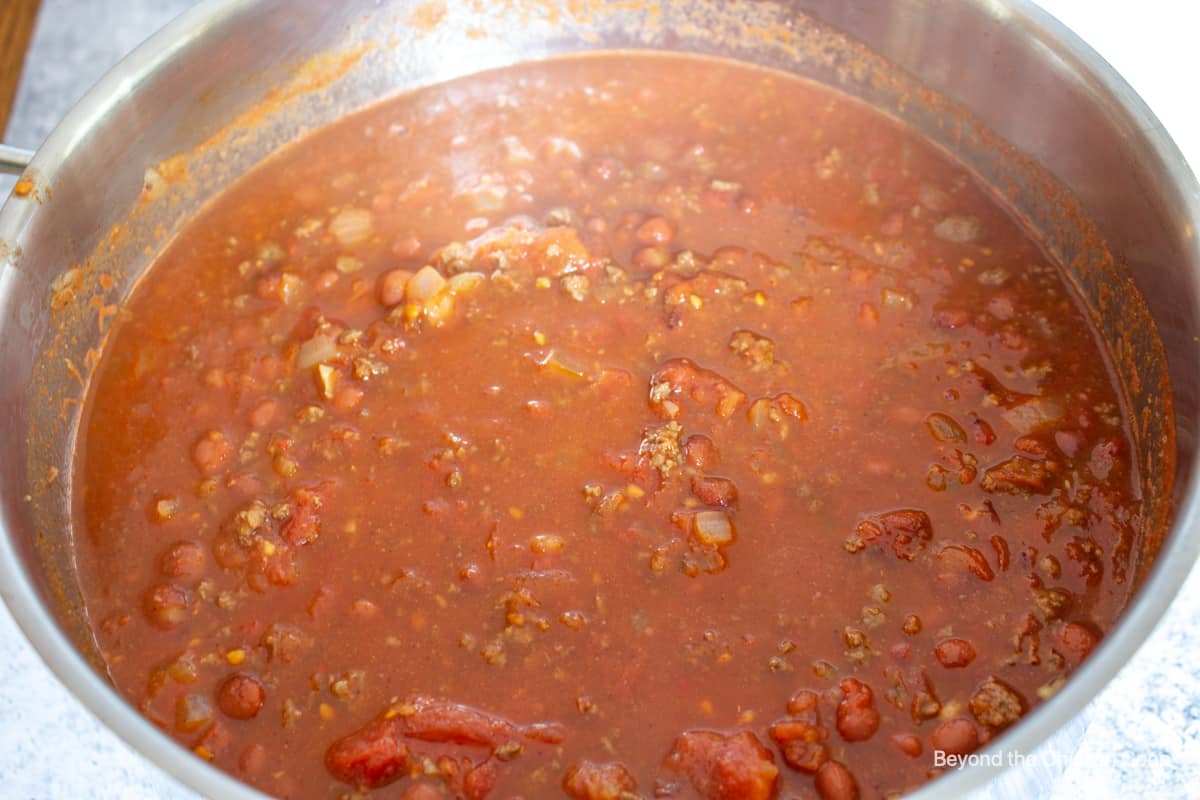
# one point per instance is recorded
(1173, 563)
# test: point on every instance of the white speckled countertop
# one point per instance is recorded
(1139, 737)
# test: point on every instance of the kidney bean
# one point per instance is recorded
(656, 230)
(347, 397)
(652, 257)
(166, 605)
(211, 451)
(834, 781)
(801, 743)
(183, 560)
(263, 413)
(241, 696)
(228, 552)
(252, 759)
(954, 653)
(950, 318)
(907, 529)
(982, 432)
(803, 703)
(1077, 639)
(908, 744)
(961, 559)
(714, 491)
(480, 780)
(857, 719)
(700, 452)
(392, 285)
(406, 247)
(956, 736)
(589, 780)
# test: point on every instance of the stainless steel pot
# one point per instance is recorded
(231, 80)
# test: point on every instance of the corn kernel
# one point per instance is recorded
(235, 657)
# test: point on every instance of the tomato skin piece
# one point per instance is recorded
(725, 766)
(371, 757)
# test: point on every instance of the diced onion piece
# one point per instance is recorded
(932, 197)
(424, 285)
(515, 153)
(63, 288)
(192, 712)
(487, 198)
(1033, 414)
(712, 528)
(316, 350)
(894, 299)
(759, 413)
(348, 265)
(465, 282)
(165, 508)
(351, 226)
(326, 380)
(957, 229)
(944, 428)
(769, 414)
(289, 287)
(438, 308)
(564, 363)
(558, 147)
(153, 184)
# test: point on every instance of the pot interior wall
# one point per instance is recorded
(197, 121)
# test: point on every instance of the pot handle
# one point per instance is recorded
(14, 160)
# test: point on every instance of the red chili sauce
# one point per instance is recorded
(618, 426)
